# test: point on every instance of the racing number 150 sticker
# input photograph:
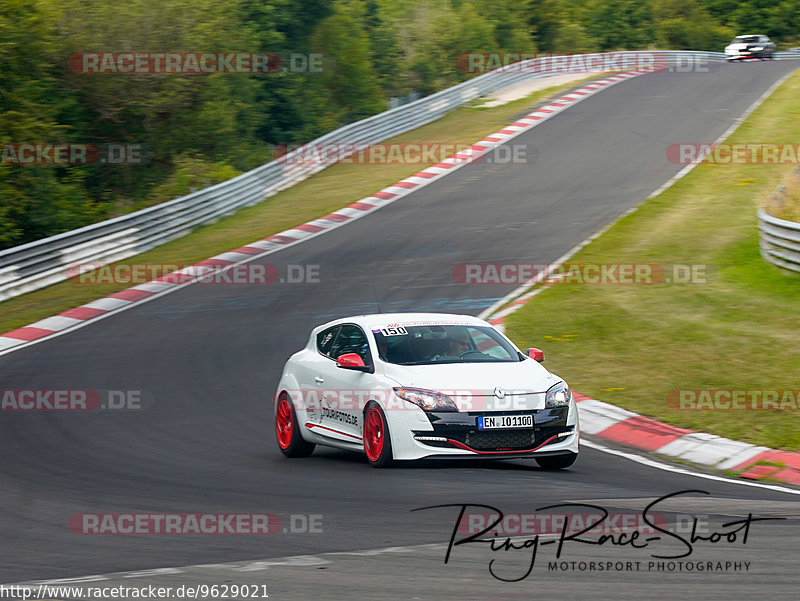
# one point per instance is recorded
(398, 331)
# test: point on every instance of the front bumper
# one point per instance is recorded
(748, 54)
(554, 432)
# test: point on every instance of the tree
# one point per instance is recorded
(546, 18)
(621, 24)
(687, 25)
(36, 200)
(348, 76)
(386, 54)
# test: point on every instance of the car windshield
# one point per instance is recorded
(746, 39)
(434, 344)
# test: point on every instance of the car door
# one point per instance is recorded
(346, 390)
(310, 375)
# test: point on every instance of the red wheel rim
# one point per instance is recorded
(283, 423)
(374, 431)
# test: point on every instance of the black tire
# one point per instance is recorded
(556, 462)
(287, 430)
(377, 441)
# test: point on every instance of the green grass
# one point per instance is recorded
(323, 193)
(632, 344)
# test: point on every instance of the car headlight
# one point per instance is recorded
(757, 48)
(427, 400)
(558, 396)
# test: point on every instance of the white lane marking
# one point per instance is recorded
(230, 256)
(413, 179)
(350, 213)
(152, 572)
(681, 470)
(262, 244)
(6, 342)
(597, 416)
(704, 448)
(55, 323)
(248, 566)
(105, 304)
(151, 286)
(741, 457)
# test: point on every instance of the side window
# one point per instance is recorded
(485, 344)
(351, 339)
(325, 340)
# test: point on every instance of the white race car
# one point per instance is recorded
(749, 46)
(401, 386)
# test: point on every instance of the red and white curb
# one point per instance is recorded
(625, 427)
(125, 299)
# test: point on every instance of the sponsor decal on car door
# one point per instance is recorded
(346, 389)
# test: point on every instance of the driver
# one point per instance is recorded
(457, 343)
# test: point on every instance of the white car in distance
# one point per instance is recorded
(404, 386)
(749, 46)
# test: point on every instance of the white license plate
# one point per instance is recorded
(493, 422)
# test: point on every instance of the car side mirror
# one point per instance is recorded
(535, 354)
(353, 361)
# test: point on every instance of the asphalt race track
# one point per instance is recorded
(206, 360)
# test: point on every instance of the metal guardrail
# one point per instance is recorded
(779, 239)
(43, 262)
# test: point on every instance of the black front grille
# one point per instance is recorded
(500, 440)
(463, 428)
(490, 440)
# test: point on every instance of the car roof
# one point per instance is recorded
(384, 319)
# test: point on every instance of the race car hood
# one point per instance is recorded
(742, 46)
(523, 377)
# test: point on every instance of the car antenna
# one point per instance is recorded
(377, 300)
